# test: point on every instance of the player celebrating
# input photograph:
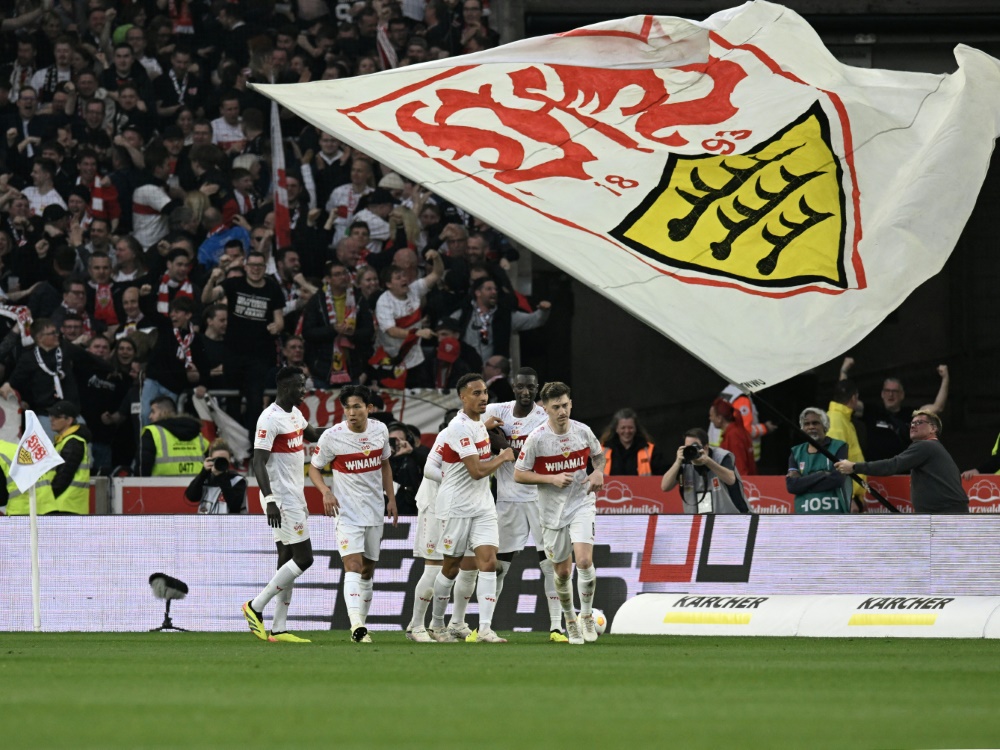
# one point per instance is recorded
(465, 507)
(358, 448)
(517, 504)
(279, 455)
(555, 458)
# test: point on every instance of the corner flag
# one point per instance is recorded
(35, 455)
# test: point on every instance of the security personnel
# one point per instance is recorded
(70, 480)
(10, 495)
(173, 444)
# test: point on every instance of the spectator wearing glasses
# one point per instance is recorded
(935, 481)
(818, 487)
(46, 373)
(886, 424)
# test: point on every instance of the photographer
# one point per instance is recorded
(708, 479)
(218, 489)
(407, 462)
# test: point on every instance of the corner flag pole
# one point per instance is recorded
(36, 598)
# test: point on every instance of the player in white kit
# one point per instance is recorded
(427, 541)
(517, 504)
(359, 450)
(278, 461)
(554, 457)
(465, 507)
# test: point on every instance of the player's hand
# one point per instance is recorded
(273, 516)
(492, 422)
(844, 467)
(562, 480)
(595, 482)
(507, 454)
(390, 510)
(331, 506)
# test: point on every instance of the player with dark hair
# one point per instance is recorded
(466, 510)
(517, 504)
(358, 447)
(554, 457)
(279, 454)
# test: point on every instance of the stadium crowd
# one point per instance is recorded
(138, 247)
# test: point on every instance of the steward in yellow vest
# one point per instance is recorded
(10, 495)
(173, 444)
(70, 480)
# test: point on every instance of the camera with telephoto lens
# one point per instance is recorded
(691, 452)
(394, 445)
(221, 464)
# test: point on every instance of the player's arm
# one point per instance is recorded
(523, 476)
(259, 465)
(479, 469)
(321, 458)
(390, 493)
(595, 480)
(313, 434)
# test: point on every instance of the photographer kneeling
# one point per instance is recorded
(217, 488)
(708, 479)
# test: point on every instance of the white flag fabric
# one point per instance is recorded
(279, 184)
(728, 182)
(35, 455)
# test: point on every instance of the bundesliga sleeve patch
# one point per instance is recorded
(261, 434)
(465, 442)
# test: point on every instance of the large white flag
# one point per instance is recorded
(35, 455)
(728, 181)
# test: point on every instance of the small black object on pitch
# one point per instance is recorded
(167, 588)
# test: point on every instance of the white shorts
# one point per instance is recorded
(427, 540)
(353, 540)
(294, 524)
(516, 520)
(460, 536)
(580, 530)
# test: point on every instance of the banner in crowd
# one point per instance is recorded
(102, 585)
(716, 179)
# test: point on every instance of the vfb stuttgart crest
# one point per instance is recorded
(770, 217)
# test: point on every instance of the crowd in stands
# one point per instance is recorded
(138, 249)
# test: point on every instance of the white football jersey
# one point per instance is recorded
(426, 497)
(391, 312)
(357, 470)
(546, 452)
(461, 496)
(281, 432)
(517, 430)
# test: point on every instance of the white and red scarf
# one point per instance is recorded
(338, 367)
(163, 293)
(184, 346)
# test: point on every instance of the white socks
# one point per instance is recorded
(551, 595)
(367, 587)
(564, 587)
(486, 595)
(352, 596)
(586, 584)
(423, 596)
(283, 578)
(282, 600)
(502, 567)
(442, 593)
(465, 587)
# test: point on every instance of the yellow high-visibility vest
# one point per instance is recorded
(17, 501)
(176, 457)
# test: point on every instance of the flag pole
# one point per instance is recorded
(35, 577)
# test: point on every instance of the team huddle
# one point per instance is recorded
(467, 540)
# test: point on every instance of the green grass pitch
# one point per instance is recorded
(200, 690)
